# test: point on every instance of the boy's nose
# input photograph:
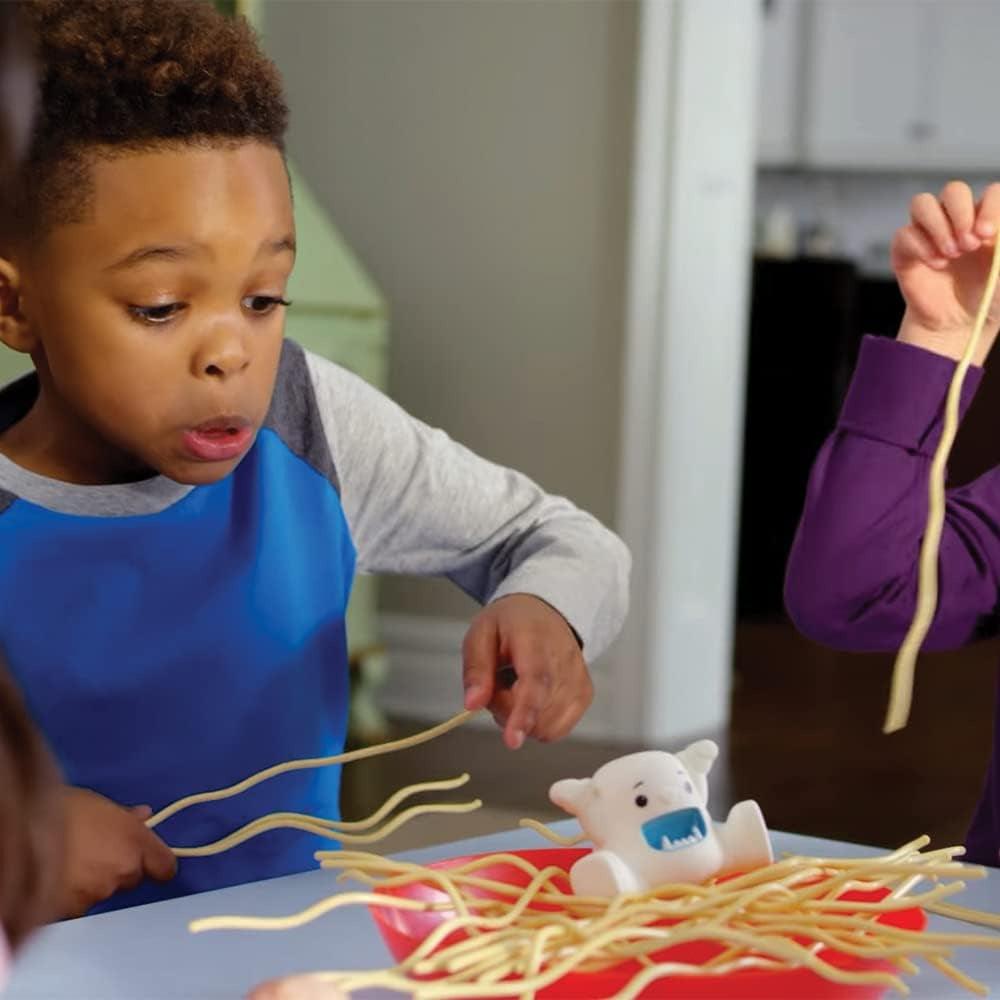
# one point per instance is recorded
(222, 356)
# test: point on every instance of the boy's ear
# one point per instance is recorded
(15, 331)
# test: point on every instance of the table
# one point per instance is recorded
(146, 953)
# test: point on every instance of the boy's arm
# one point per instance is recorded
(852, 574)
(418, 502)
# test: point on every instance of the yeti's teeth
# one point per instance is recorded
(668, 844)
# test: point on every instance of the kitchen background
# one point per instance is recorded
(862, 104)
(680, 211)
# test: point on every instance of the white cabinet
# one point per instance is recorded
(962, 101)
(880, 84)
(862, 87)
(778, 103)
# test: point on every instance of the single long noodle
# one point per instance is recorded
(549, 834)
(901, 695)
(306, 763)
(322, 827)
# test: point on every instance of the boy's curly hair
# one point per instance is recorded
(129, 75)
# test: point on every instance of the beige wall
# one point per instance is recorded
(475, 155)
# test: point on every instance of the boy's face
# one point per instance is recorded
(155, 324)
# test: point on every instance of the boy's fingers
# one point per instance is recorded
(563, 715)
(126, 880)
(75, 904)
(141, 812)
(563, 722)
(479, 663)
(518, 727)
(988, 215)
(158, 861)
(532, 694)
(927, 213)
(960, 209)
(501, 706)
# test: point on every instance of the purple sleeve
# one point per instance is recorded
(852, 573)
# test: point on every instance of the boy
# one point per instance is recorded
(852, 576)
(184, 496)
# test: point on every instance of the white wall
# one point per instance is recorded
(686, 343)
(475, 155)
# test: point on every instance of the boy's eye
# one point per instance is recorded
(261, 305)
(156, 314)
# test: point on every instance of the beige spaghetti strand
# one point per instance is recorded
(901, 695)
(311, 762)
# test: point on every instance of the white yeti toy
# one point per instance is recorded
(646, 815)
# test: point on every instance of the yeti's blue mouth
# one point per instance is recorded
(674, 831)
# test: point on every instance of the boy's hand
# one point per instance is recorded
(553, 688)
(31, 823)
(941, 260)
(108, 848)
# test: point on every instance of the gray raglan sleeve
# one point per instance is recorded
(417, 502)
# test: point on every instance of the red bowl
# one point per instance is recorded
(403, 931)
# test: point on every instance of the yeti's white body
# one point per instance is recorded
(647, 816)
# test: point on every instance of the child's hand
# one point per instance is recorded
(941, 261)
(304, 987)
(108, 848)
(31, 823)
(553, 688)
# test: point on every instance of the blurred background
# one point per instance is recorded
(630, 247)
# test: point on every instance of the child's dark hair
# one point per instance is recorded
(129, 75)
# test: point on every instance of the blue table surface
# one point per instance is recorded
(147, 953)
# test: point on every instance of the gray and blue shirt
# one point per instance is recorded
(171, 639)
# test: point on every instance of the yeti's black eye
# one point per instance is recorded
(687, 787)
(641, 801)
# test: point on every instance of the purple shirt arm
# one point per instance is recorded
(852, 573)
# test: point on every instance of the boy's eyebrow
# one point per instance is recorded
(286, 244)
(142, 254)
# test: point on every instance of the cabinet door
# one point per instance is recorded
(866, 77)
(962, 103)
(781, 47)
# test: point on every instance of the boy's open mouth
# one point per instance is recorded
(220, 439)
(673, 831)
